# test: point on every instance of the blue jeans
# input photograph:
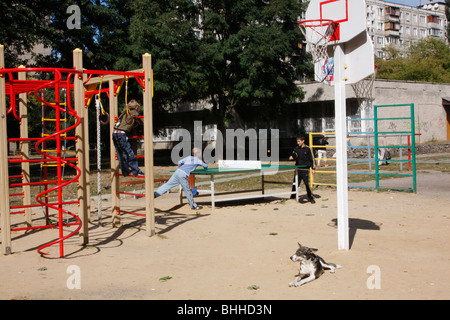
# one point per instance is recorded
(178, 177)
(125, 155)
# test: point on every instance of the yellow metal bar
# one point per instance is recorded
(54, 120)
(324, 133)
(331, 147)
(52, 165)
(53, 150)
(325, 184)
(119, 87)
(311, 145)
(51, 196)
(311, 176)
(43, 135)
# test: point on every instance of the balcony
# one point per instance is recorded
(434, 32)
(392, 33)
(392, 28)
(433, 22)
(392, 13)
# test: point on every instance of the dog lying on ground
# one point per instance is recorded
(311, 265)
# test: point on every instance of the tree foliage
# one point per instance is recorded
(164, 29)
(103, 35)
(249, 54)
(21, 22)
(231, 53)
(427, 60)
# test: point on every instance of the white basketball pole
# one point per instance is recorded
(341, 147)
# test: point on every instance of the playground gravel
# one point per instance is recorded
(399, 249)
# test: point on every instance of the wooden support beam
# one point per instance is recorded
(4, 173)
(148, 145)
(115, 197)
(82, 151)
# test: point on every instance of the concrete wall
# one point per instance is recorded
(430, 115)
(315, 113)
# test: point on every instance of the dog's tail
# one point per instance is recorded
(331, 266)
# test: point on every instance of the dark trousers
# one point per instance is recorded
(303, 174)
(125, 155)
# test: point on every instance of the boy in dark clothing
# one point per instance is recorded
(127, 121)
(303, 156)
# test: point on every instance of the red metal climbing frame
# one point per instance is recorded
(49, 146)
(53, 135)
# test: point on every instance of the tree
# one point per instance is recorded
(103, 34)
(165, 29)
(249, 55)
(21, 25)
(235, 54)
(427, 60)
(232, 53)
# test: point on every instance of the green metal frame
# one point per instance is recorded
(412, 147)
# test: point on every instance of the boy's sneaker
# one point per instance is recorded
(140, 173)
(197, 208)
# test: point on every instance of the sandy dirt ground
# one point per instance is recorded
(399, 250)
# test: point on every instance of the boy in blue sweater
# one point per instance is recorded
(181, 176)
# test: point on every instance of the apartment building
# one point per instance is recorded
(390, 23)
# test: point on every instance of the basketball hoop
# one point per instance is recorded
(318, 33)
(364, 88)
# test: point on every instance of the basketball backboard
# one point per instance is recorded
(358, 59)
(350, 16)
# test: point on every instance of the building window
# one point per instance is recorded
(393, 40)
(434, 32)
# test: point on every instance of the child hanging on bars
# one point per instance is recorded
(181, 177)
(125, 124)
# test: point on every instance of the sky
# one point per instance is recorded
(412, 3)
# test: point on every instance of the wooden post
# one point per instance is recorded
(81, 150)
(25, 149)
(115, 197)
(148, 145)
(4, 174)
